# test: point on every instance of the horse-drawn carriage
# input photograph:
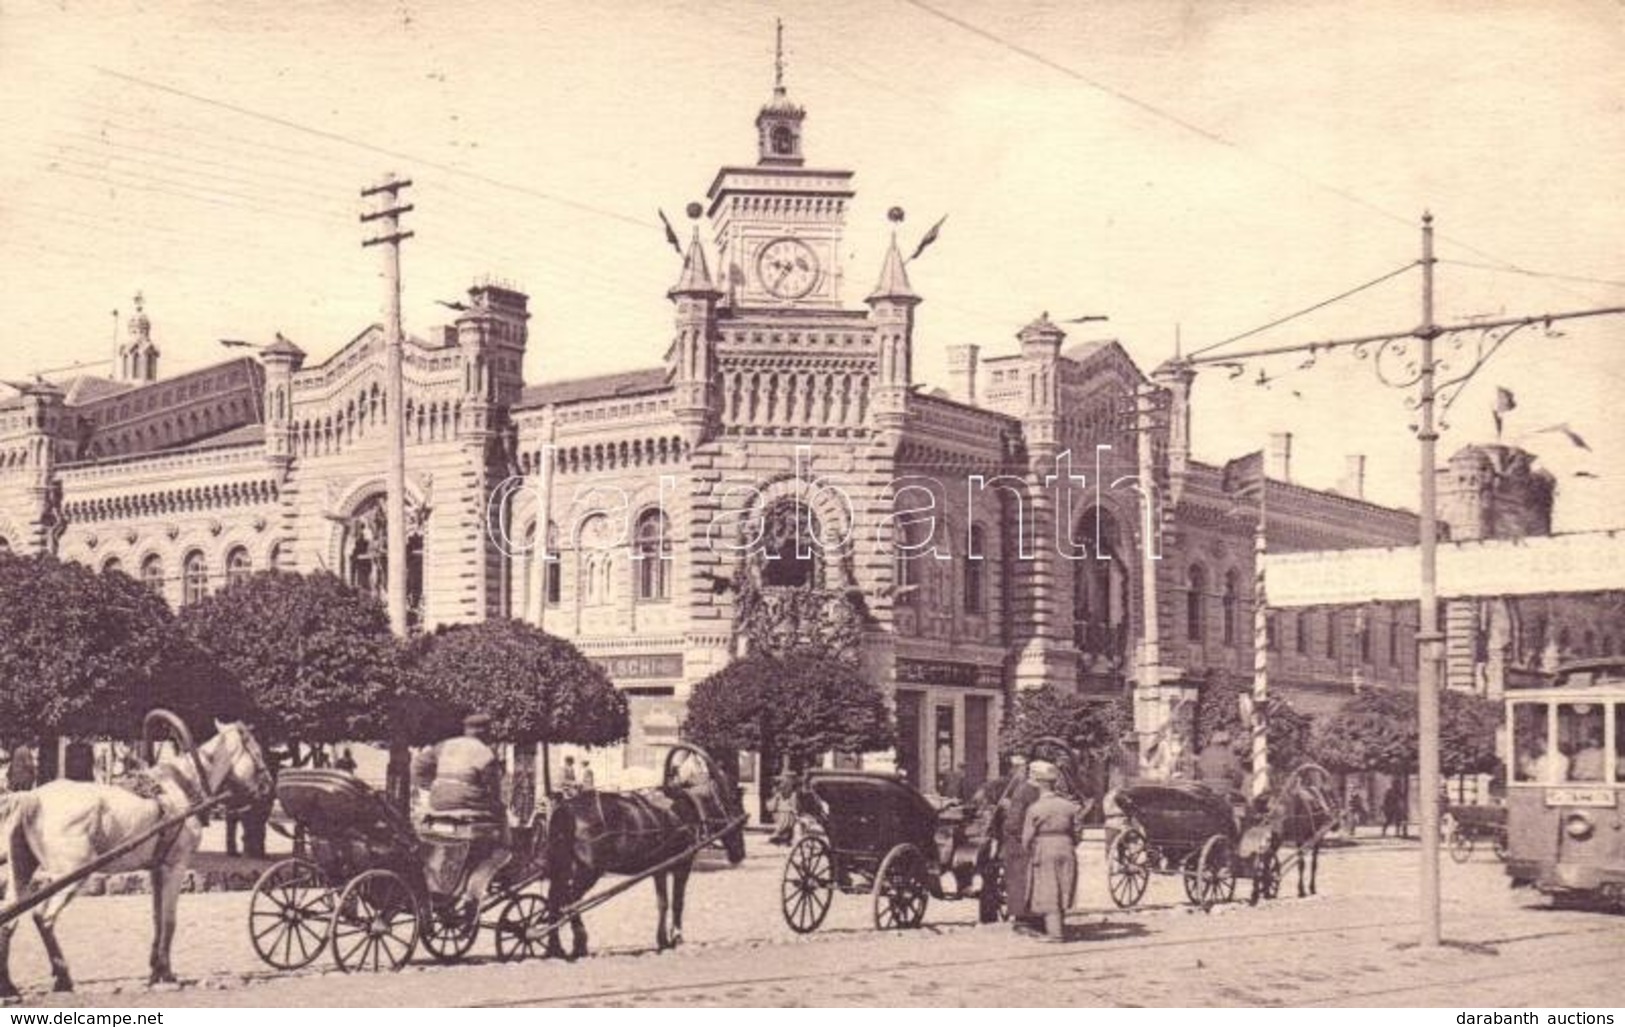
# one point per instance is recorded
(878, 835)
(1465, 826)
(1209, 838)
(374, 885)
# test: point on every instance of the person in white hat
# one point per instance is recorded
(1050, 835)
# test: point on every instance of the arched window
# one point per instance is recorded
(596, 542)
(783, 141)
(653, 556)
(194, 578)
(554, 567)
(976, 571)
(238, 566)
(152, 573)
(909, 560)
(1100, 584)
(787, 564)
(111, 564)
(1196, 603)
(1300, 633)
(1231, 612)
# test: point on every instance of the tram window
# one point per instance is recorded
(1535, 764)
(1580, 737)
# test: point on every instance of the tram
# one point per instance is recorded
(1566, 783)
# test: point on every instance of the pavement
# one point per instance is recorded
(1352, 944)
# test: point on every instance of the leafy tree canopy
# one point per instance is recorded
(799, 706)
(1374, 730)
(313, 658)
(1219, 714)
(1095, 728)
(81, 653)
(536, 687)
(1467, 729)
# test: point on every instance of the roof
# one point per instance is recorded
(893, 284)
(696, 277)
(242, 435)
(1079, 352)
(87, 388)
(603, 386)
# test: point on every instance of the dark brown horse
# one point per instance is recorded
(1298, 815)
(596, 833)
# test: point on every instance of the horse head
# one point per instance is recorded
(716, 788)
(237, 764)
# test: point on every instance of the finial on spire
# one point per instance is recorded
(895, 215)
(778, 56)
(139, 301)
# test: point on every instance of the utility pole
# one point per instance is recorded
(1259, 725)
(1428, 638)
(390, 238)
(1391, 356)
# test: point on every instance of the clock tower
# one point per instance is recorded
(778, 223)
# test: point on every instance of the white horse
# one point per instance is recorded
(49, 833)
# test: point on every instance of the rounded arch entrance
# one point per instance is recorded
(359, 547)
(1102, 586)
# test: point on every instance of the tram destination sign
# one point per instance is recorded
(1579, 796)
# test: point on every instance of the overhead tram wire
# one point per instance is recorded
(380, 150)
(1195, 129)
(1530, 272)
(1306, 310)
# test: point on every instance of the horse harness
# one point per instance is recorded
(149, 784)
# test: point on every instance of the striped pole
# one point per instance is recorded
(1261, 656)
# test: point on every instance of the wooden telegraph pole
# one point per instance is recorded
(390, 238)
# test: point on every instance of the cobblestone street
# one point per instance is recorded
(1352, 945)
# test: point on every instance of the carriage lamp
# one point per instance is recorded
(1578, 826)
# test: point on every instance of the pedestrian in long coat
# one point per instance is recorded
(1018, 795)
(1050, 833)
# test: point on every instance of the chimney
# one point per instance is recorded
(962, 373)
(1354, 476)
(1278, 461)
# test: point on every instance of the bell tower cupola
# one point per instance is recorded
(778, 125)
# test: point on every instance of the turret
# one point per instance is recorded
(1040, 358)
(1175, 377)
(491, 339)
(138, 355)
(962, 372)
(692, 357)
(891, 309)
(281, 360)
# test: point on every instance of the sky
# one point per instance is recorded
(1192, 171)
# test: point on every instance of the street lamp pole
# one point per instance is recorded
(1428, 637)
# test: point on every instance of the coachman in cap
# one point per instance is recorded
(464, 779)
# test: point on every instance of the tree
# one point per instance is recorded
(1219, 713)
(313, 658)
(796, 706)
(1467, 729)
(1094, 728)
(1374, 730)
(536, 687)
(83, 653)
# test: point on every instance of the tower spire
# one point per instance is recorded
(778, 57)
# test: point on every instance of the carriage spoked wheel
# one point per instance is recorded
(1128, 868)
(808, 884)
(522, 928)
(1460, 845)
(450, 928)
(900, 892)
(1210, 876)
(375, 923)
(290, 913)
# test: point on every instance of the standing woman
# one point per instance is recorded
(1050, 834)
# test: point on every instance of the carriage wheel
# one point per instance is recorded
(900, 890)
(991, 903)
(1460, 845)
(1501, 849)
(522, 928)
(1128, 868)
(1214, 879)
(450, 928)
(808, 884)
(289, 915)
(375, 923)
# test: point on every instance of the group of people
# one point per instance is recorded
(1040, 831)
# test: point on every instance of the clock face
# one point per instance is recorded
(787, 268)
